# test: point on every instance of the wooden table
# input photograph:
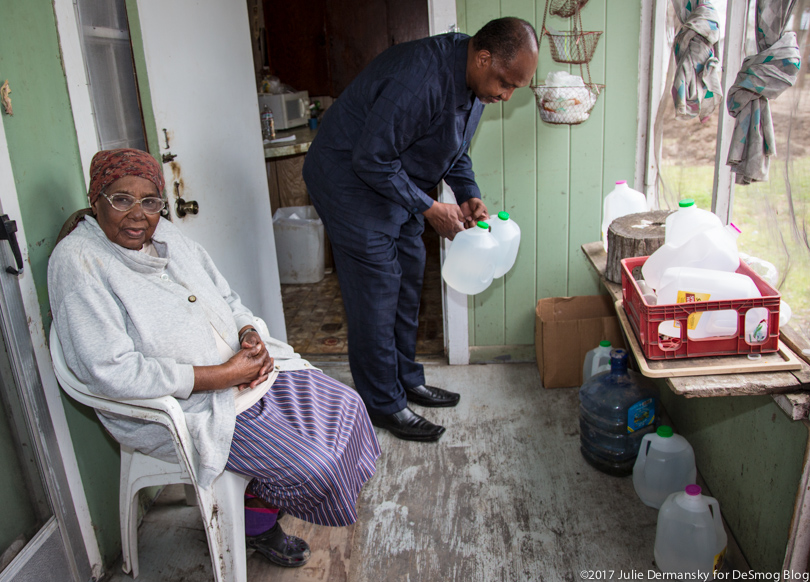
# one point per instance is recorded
(788, 389)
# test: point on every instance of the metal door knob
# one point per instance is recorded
(182, 207)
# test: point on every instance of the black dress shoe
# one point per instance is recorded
(431, 396)
(408, 425)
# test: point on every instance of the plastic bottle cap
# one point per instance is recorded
(693, 490)
(604, 344)
(483, 225)
(621, 182)
(686, 202)
(664, 431)
(503, 215)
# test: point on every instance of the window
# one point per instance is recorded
(108, 58)
(686, 162)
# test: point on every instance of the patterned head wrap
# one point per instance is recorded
(109, 165)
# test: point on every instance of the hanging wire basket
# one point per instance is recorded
(566, 8)
(575, 47)
(566, 105)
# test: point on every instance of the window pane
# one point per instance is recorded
(773, 215)
(108, 55)
(686, 168)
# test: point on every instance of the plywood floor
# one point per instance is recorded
(503, 496)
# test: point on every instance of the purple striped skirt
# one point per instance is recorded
(309, 445)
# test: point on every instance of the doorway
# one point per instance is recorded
(320, 48)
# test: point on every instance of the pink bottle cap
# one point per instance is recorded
(693, 490)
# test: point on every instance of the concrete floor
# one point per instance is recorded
(504, 496)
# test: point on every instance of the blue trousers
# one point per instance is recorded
(380, 280)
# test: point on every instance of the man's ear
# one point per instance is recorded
(483, 59)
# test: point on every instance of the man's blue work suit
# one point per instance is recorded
(404, 124)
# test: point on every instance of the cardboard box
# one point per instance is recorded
(566, 328)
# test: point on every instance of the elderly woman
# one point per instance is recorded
(141, 312)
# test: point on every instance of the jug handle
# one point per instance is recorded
(641, 459)
(715, 506)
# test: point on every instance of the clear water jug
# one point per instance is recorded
(689, 536)
(616, 410)
(690, 285)
(597, 361)
(687, 221)
(507, 233)
(471, 259)
(714, 248)
(621, 201)
(665, 465)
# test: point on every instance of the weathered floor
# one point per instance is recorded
(504, 496)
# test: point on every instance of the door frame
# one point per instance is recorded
(54, 447)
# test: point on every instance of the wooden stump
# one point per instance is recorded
(634, 235)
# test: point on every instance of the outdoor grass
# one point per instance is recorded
(761, 212)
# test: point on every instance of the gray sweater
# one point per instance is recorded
(133, 326)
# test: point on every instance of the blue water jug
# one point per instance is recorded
(616, 410)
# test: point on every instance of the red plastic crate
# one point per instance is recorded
(645, 319)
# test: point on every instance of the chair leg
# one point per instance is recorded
(223, 509)
(127, 515)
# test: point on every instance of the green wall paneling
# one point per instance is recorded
(47, 171)
(552, 178)
(144, 95)
(41, 138)
(586, 162)
(750, 456)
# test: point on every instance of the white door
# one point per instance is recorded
(200, 69)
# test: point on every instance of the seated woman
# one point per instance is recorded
(141, 312)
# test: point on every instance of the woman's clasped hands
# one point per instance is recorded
(251, 365)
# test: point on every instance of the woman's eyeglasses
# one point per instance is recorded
(126, 202)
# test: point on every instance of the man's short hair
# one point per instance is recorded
(505, 37)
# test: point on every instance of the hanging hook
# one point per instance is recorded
(166, 136)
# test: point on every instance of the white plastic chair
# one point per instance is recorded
(221, 505)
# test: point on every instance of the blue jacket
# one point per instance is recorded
(404, 124)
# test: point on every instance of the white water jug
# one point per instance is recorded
(621, 201)
(471, 259)
(507, 233)
(597, 361)
(687, 222)
(691, 285)
(689, 536)
(665, 465)
(714, 248)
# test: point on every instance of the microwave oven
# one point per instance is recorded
(289, 109)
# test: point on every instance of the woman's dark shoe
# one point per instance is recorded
(431, 396)
(279, 548)
(408, 425)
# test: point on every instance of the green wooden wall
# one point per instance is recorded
(750, 454)
(47, 171)
(551, 178)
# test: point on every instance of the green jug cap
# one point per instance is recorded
(482, 224)
(664, 431)
(686, 202)
(503, 215)
(604, 344)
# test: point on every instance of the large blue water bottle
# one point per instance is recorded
(616, 410)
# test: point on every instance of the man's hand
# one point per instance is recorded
(473, 210)
(446, 219)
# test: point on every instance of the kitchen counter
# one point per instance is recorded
(303, 139)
